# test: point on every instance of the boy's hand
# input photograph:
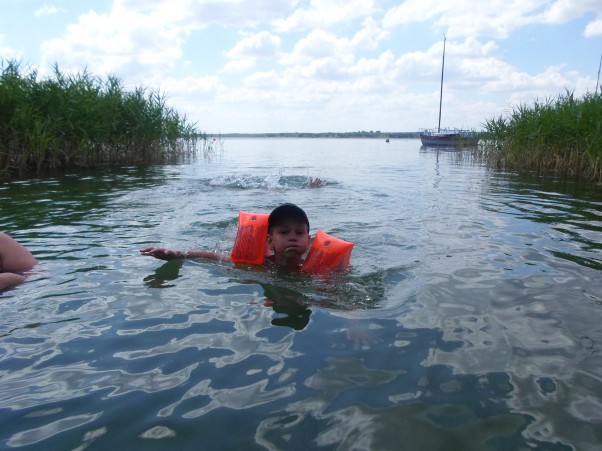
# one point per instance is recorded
(314, 183)
(161, 253)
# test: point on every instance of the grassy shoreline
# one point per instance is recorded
(83, 121)
(561, 137)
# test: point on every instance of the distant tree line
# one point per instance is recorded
(360, 134)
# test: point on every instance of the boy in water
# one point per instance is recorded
(288, 238)
(14, 259)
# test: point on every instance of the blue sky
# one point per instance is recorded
(319, 65)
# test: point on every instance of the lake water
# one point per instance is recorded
(470, 319)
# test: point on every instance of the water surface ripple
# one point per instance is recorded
(469, 320)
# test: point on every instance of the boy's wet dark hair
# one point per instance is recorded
(284, 212)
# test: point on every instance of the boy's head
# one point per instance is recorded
(288, 235)
(284, 213)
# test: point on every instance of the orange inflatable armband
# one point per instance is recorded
(327, 253)
(250, 244)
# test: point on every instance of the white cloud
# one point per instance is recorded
(494, 18)
(323, 45)
(525, 88)
(369, 36)
(320, 44)
(372, 66)
(207, 86)
(245, 52)
(236, 13)
(96, 41)
(259, 45)
(47, 10)
(318, 62)
(7, 52)
(121, 40)
(593, 29)
(460, 18)
(323, 14)
(136, 36)
(239, 65)
(563, 11)
(413, 11)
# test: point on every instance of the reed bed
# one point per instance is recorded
(81, 120)
(561, 136)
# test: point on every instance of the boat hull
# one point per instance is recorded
(448, 138)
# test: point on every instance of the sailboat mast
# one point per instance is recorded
(598, 80)
(441, 92)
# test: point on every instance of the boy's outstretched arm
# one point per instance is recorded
(169, 254)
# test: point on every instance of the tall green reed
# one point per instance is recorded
(561, 136)
(81, 120)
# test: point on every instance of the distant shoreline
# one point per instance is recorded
(362, 134)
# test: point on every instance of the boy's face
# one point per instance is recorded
(289, 240)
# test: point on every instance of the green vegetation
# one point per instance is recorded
(561, 136)
(80, 120)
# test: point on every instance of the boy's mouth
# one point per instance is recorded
(293, 248)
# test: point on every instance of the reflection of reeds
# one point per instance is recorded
(83, 121)
(561, 136)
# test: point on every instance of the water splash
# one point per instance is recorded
(263, 182)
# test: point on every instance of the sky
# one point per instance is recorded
(259, 66)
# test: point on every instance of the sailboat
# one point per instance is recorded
(447, 137)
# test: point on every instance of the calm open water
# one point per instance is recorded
(471, 319)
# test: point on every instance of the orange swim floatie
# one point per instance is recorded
(249, 246)
(327, 253)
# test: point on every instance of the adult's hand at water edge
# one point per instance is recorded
(9, 279)
(14, 259)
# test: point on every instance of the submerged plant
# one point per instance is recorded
(82, 120)
(561, 136)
